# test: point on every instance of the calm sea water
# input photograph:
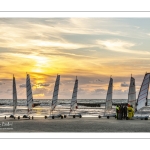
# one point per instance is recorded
(63, 107)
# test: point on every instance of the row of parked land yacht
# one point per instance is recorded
(137, 104)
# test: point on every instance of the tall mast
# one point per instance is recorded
(132, 93)
(14, 96)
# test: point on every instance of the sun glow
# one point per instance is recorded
(37, 70)
(89, 48)
(40, 63)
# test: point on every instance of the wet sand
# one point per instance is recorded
(85, 124)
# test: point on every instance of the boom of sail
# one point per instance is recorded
(108, 105)
(14, 96)
(74, 97)
(132, 93)
(143, 94)
(55, 93)
(29, 94)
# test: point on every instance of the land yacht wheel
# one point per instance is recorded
(74, 116)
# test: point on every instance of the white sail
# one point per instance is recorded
(108, 105)
(74, 96)
(132, 93)
(14, 96)
(55, 93)
(29, 93)
(143, 94)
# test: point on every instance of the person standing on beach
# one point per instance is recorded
(129, 111)
(117, 110)
(119, 113)
(125, 112)
(132, 111)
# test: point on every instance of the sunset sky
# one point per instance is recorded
(92, 49)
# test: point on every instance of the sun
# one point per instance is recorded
(40, 60)
(40, 63)
(38, 70)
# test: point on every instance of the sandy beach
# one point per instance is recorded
(87, 124)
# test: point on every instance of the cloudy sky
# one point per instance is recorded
(91, 48)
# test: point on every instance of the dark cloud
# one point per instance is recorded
(43, 84)
(96, 81)
(38, 91)
(22, 85)
(61, 83)
(6, 80)
(120, 92)
(70, 82)
(100, 91)
(33, 85)
(97, 92)
(80, 90)
(124, 85)
(8, 91)
(43, 91)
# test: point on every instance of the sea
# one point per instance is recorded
(63, 107)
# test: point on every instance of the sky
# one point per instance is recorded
(93, 49)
